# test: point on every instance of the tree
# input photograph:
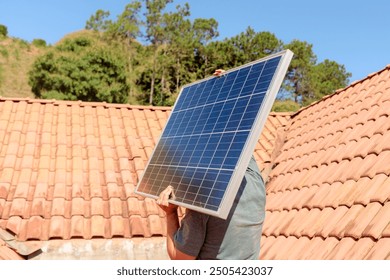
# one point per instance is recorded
(40, 43)
(205, 31)
(3, 30)
(99, 21)
(155, 34)
(325, 78)
(243, 48)
(128, 23)
(308, 81)
(80, 69)
(297, 79)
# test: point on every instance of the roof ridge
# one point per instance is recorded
(337, 91)
(82, 103)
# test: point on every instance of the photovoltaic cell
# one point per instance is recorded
(210, 136)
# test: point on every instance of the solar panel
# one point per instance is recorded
(211, 133)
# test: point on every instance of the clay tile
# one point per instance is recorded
(39, 207)
(57, 227)
(4, 188)
(133, 206)
(299, 248)
(266, 244)
(286, 247)
(77, 206)
(382, 191)
(310, 248)
(318, 220)
(139, 227)
(58, 206)
(369, 187)
(376, 226)
(113, 190)
(271, 252)
(35, 227)
(115, 206)
(18, 207)
(349, 217)
(117, 226)
(98, 227)
(356, 227)
(333, 221)
(151, 207)
(98, 206)
(360, 249)
(41, 190)
(21, 190)
(77, 227)
(341, 249)
(13, 225)
(380, 251)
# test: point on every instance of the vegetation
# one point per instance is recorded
(40, 43)
(80, 69)
(16, 58)
(150, 50)
(3, 30)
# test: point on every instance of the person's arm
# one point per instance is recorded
(172, 225)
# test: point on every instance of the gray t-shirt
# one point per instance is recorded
(237, 237)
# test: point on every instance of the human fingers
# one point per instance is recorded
(164, 196)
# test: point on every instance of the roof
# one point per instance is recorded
(6, 253)
(68, 169)
(329, 189)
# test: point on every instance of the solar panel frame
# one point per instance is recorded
(173, 124)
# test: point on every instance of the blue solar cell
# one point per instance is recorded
(207, 141)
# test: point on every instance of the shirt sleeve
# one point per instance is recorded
(190, 237)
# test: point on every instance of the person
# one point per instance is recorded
(202, 236)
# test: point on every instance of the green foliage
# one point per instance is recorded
(98, 21)
(79, 69)
(243, 48)
(307, 80)
(3, 30)
(285, 106)
(4, 52)
(39, 43)
(1, 74)
(147, 57)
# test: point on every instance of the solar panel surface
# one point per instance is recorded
(210, 136)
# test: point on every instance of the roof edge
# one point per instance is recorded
(84, 103)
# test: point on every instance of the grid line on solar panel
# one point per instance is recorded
(203, 140)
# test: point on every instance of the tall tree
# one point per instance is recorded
(244, 47)
(99, 21)
(155, 34)
(205, 31)
(179, 37)
(325, 78)
(128, 24)
(298, 76)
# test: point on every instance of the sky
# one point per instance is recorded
(353, 33)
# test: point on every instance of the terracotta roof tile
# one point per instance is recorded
(69, 169)
(380, 251)
(333, 170)
(56, 172)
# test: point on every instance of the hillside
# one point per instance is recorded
(16, 58)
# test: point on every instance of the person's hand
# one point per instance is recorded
(219, 72)
(163, 198)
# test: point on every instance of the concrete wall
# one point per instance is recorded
(104, 249)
